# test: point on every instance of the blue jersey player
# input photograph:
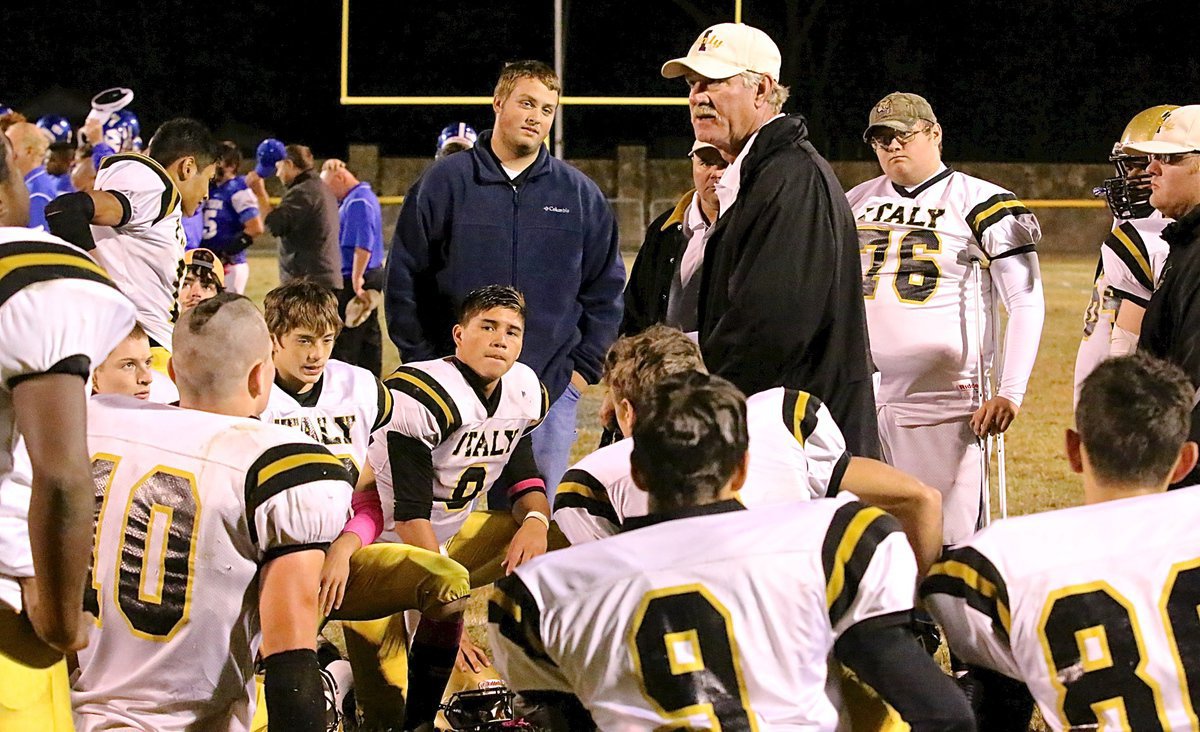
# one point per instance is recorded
(231, 218)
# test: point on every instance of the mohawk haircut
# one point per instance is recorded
(301, 303)
(1134, 414)
(488, 297)
(180, 138)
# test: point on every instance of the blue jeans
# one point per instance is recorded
(553, 439)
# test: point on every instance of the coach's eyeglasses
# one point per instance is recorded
(1170, 158)
(884, 139)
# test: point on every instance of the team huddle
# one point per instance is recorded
(191, 487)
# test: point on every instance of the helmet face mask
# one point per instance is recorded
(1128, 194)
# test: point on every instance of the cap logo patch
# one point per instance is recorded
(709, 38)
(884, 108)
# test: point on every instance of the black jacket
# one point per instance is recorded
(650, 277)
(306, 222)
(781, 296)
(1171, 326)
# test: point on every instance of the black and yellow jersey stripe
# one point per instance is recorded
(1127, 244)
(854, 533)
(515, 614)
(430, 394)
(800, 413)
(170, 194)
(544, 409)
(384, 403)
(580, 489)
(24, 263)
(968, 574)
(288, 466)
(993, 210)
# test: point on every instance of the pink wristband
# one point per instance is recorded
(367, 521)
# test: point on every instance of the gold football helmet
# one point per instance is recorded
(1128, 194)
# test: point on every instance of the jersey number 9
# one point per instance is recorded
(686, 658)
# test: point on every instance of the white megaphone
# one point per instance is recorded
(109, 101)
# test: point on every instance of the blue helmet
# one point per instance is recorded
(460, 134)
(57, 127)
(122, 131)
(4, 109)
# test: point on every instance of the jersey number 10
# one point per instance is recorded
(156, 549)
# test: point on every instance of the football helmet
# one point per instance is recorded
(1128, 193)
(57, 127)
(487, 709)
(122, 132)
(455, 138)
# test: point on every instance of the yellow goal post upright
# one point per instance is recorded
(348, 99)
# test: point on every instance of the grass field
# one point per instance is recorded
(1039, 477)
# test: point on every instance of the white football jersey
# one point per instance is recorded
(1131, 261)
(797, 452)
(190, 506)
(341, 411)
(144, 253)
(1094, 608)
(1097, 327)
(59, 312)
(445, 432)
(1134, 255)
(916, 249)
(718, 619)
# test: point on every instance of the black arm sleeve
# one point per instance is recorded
(295, 696)
(555, 711)
(520, 469)
(1005, 704)
(411, 463)
(238, 245)
(69, 217)
(884, 654)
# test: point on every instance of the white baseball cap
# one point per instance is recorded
(697, 146)
(725, 50)
(1179, 133)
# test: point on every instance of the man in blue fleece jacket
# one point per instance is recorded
(506, 212)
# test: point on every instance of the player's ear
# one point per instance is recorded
(457, 334)
(497, 102)
(1188, 455)
(171, 368)
(1075, 450)
(258, 382)
(738, 479)
(626, 417)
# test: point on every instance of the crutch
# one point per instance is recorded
(997, 370)
(985, 443)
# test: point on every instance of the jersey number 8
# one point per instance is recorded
(1097, 657)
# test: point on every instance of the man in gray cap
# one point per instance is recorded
(780, 302)
(921, 224)
(663, 283)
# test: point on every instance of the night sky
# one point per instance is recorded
(1010, 81)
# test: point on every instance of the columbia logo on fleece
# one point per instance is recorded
(555, 209)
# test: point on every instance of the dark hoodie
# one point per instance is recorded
(781, 296)
(550, 233)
